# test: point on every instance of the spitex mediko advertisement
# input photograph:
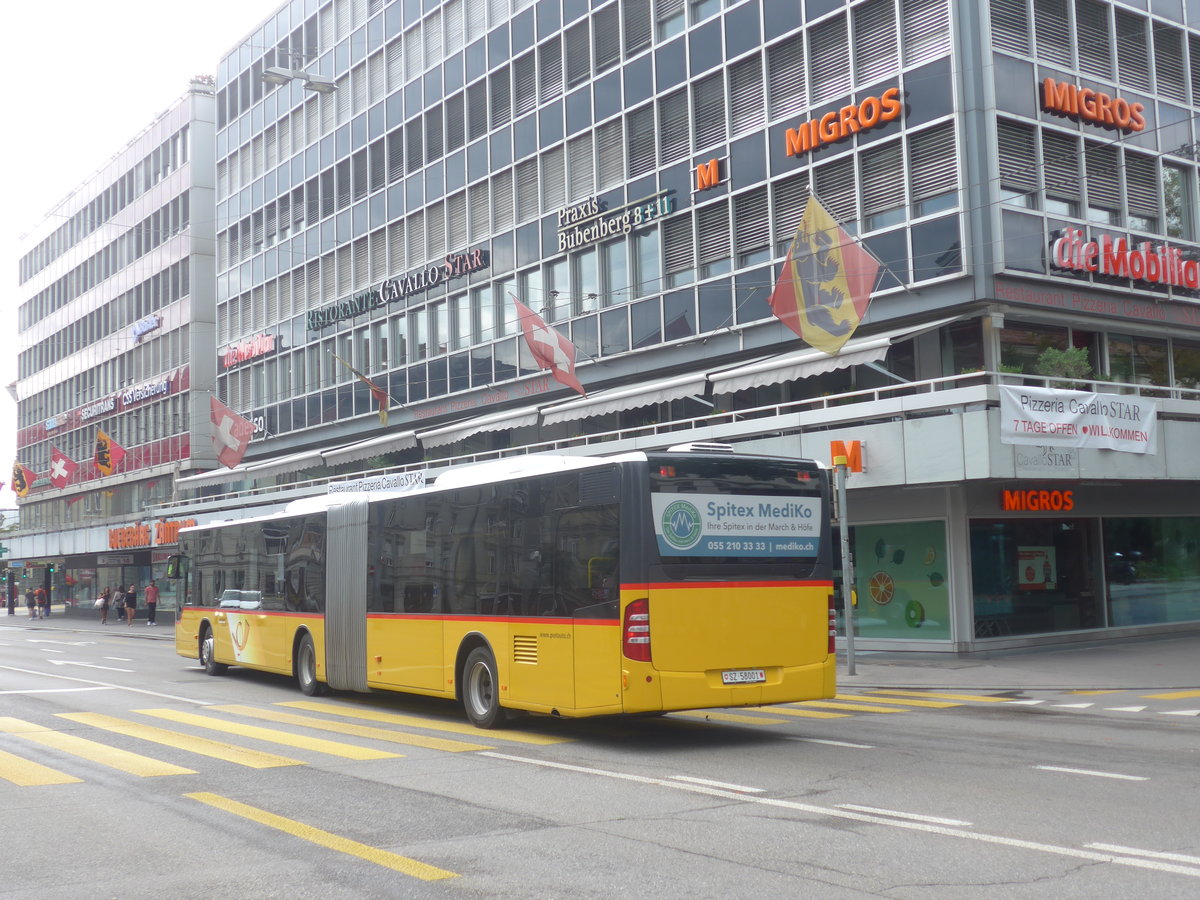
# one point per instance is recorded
(751, 525)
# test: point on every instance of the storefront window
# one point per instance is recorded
(902, 578)
(1138, 361)
(1034, 576)
(1021, 345)
(1153, 570)
(1187, 364)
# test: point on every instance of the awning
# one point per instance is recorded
(809, 362)
(387, 443)
(629, 397)
(497, 421)
(292, 463)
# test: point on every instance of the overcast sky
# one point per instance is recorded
(87, 77)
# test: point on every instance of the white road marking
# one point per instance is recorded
(1152, 854)
(905, 815)
(52, 650)
(1124, 708)
(1026, 702)
(1182, 712)
(834, 743)
(61, 643)
(72, 662)
(741, 789)
(71, 690)
(927, 827)
(119, 658)
(105, 684)
(1073, 705)
(1091, 772)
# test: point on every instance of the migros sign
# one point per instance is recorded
(839, 124)
(1094, 107)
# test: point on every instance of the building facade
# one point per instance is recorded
(389, 176)
(115, 348)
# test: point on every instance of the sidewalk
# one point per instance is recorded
(1164, 662)
(1167, 662)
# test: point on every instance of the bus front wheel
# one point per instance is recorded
(208, 650)
(481, 692)
(306, 668)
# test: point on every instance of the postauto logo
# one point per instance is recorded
(681, 524)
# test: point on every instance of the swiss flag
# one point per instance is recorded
(549, 348)
(231, 434)
(62, 468)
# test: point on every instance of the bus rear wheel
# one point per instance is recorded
(306, 668)
(208, 649)
(481, 691)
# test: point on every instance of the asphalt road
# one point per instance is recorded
(126, 772)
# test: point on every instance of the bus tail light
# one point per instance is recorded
(832, 627)
(635, 634)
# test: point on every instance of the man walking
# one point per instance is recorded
(151, 601)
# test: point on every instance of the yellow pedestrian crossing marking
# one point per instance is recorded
(365, 731)
(802, 713)
(254, 759)
(853, 707)
(113, 757)
(352, 711)
(937, 695)
(26, 773)
(1173, 695)
(389, 860)
(270, 735)
(900, 701)
(1106, 691)
(714, 716)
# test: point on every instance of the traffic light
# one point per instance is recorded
(51, 568)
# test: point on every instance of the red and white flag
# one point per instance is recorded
(549, 348)
(62, 468)
(231, 434)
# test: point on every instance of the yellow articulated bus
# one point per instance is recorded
(571, 586)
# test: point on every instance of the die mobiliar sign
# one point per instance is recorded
(1116, 258)
(455, 265)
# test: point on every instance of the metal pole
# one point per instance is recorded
(848, 593)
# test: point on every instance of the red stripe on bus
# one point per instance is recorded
(693, 585)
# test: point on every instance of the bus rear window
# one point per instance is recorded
(715, 509)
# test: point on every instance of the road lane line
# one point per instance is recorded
(1152, 854)
(853, 707)
(1181, 712)
(1074, 705)
(741, 789)
(371, 715)
(834, 812)
(1116, 775)
(1026, 702)
(242, 756)
(367, 731)
(915, 817)
(113, 757)
(107, 684)
(1124, 708)
(73, 690)
(1173, 695)
(902, 701)
(834, 743)
(24, 773)
(270, 735)
(799, 713)
(937, 695)
(326, 839)
(734, 718)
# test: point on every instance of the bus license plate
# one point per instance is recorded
(743, 676)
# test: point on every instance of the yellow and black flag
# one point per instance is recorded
(382, 397)
(22, 479)
(108, 453)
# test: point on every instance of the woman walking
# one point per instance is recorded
(105, 602)
(130, 604)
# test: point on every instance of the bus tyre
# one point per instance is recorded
(208, 650)
(306, 668)
(481, 692)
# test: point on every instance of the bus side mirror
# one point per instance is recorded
(175, 567)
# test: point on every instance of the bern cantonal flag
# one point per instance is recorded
(549, 348)
(22, 479)
(825, 287)
(231, 434)
(108, 453)
(62, 468)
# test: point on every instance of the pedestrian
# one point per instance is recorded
(151, 602)
(130, 604)
(43, 603)
(31, 603)
(12, 599)
(118, 602)
(105, 603)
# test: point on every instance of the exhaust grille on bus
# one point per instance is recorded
(635, 634)
(525, 649)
